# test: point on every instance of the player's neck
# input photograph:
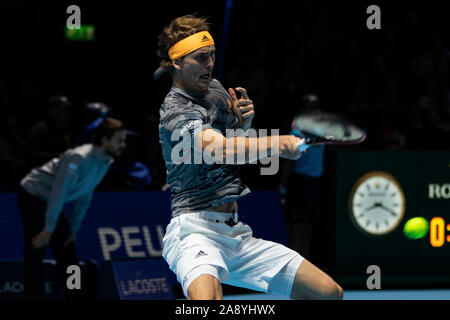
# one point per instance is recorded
(196, 92)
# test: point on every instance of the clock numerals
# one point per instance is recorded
(437, 232)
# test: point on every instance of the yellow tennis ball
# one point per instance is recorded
(416, 228)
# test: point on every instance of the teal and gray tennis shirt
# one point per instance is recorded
(71, 178)
(196, 186)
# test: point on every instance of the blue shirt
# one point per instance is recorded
(195, 186)
(71, 178)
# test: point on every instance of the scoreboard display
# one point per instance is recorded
(377, 193)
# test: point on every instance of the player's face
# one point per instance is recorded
(115, 146)
(196, 69)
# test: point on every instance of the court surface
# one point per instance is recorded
(428, 294)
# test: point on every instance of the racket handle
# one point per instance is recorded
(302, 146)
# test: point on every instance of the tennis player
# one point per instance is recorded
(45, 190)
(205, 244)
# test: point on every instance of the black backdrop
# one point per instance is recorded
(279, 51)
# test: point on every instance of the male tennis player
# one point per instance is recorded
(205, 244)
(45, 190)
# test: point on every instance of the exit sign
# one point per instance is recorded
(83, 33)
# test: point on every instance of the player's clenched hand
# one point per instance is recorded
(288, 145)
(243, 107)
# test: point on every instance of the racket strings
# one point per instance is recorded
(328, 127)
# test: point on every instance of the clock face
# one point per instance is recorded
(377, 203)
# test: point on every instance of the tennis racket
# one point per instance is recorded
(320, 127)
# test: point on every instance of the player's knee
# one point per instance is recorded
(205, 287)
(340, 294)
(337, 293)
(331, 291)
(203, 295)
(326, 289)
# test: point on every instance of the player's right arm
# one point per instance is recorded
(244, 147)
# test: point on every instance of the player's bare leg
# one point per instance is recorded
(205, 287)
(312, 283)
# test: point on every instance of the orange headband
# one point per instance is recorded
(187, 45)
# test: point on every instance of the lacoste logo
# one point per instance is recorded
(205, 38)
(200, 254)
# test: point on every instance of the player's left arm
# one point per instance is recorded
(243, 108)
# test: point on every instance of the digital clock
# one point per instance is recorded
(377, 194)
(437, 232)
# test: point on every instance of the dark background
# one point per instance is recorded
(393, 82)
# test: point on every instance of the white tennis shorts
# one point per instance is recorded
(201, 243)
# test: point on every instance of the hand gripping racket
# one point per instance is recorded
(320, 127)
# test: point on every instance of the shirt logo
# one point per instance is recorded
(191, 125)
(73, 166)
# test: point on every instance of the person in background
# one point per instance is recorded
(45, 190)
(300, 189)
